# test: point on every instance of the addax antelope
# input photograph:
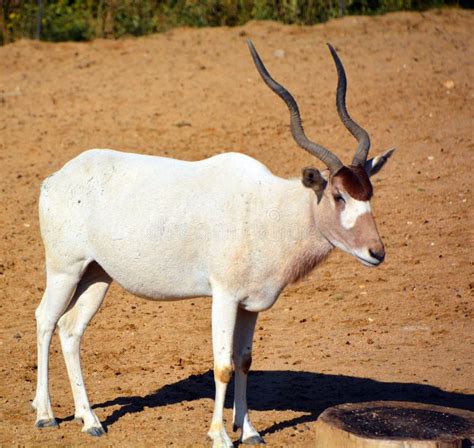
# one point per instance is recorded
(168, 229)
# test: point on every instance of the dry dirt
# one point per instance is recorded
(346, 333)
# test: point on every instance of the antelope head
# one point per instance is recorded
(342, 213)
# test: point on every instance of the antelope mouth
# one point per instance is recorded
(367, 262)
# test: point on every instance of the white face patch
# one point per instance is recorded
(352, 211)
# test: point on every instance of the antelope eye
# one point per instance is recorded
(339, 198)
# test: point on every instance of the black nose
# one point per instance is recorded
(379, 255)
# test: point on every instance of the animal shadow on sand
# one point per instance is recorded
(303, 392)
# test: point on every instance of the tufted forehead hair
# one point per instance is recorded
(355, 181)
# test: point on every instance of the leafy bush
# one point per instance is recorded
(86, 19)
(64, 20)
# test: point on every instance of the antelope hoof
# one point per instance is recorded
(47, 423)
(95, 432)
(253, 440)
(220, 439)
(222, 444)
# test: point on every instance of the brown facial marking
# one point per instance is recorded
(355, 181)
(223, 374)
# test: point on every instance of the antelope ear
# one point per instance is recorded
(313, 179)
(373, 166)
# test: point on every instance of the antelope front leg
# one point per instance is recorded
(243, 337)
(224, 312)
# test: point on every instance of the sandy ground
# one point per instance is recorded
(345, 333)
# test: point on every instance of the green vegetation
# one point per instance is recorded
(59, 20)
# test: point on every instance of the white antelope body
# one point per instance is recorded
(166, 229)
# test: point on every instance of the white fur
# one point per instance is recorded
(353, 209)
(169, 229)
